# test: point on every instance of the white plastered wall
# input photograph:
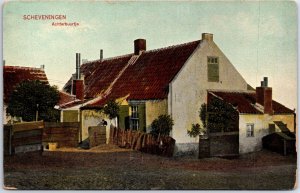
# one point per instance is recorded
(261, 128)
(188, 90)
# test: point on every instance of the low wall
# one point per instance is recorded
(143, 142)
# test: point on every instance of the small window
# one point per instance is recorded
(134, 119)
(250, 130)
(213, 69)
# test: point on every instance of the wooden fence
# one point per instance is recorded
(30, 136)
(23, 137)
(65, 134)
(143, 142)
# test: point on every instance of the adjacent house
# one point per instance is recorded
(12, 76)
(259, 115)
(147, 83)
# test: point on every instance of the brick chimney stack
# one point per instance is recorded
(264, 96)
(78, 89)
(207, 36)
(139, 46)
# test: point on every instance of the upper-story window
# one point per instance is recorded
(134, 119)
(213, 69)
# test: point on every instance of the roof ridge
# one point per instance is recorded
(110, 58)
(147, 51)
(23, 67)
(231, 91)
(172, 46)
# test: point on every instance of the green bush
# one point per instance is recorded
(162, 125)
(111, 109)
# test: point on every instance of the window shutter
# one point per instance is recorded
(213, 72)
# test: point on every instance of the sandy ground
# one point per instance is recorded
(110, 167)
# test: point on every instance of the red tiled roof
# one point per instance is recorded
(65, 98)
(13, 75)
(245, 102)
(281, 109)
(146, 78)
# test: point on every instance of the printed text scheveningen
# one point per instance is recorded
(44, 17)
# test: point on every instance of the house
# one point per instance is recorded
(12, 76)
(259, 116)
(147, 83)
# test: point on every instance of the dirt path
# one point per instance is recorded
(109, 167)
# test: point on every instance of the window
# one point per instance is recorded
(213, 69)
(134, 119)
(250, 130)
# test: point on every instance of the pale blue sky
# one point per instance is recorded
(259, 38)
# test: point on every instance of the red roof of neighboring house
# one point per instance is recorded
(245, 102)
(139, 77)
(13, 75)
(65, 98)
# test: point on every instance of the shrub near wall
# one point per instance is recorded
(144, 142)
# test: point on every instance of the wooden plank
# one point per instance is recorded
(28, 148)
(62, 124)
(61, 135)
(24, 134)
(27, 140)
(25, 126)
(61, 130)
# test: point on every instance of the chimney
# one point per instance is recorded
(264, 96)
(78, 83)
(42, 67)
(78, 60)
(139, 46)
(78, 89)
(207, 37)
(101, 55)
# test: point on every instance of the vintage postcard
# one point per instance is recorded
(151, 95)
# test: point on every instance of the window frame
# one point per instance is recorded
(250, 133)
(134, 117)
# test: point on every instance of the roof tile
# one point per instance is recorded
(245, 102)
(13, 75)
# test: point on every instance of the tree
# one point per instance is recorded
(162, 125)
(217, 116)
(34, 98)
(221, 116)
(112, 109)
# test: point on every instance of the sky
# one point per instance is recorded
(258, 37)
